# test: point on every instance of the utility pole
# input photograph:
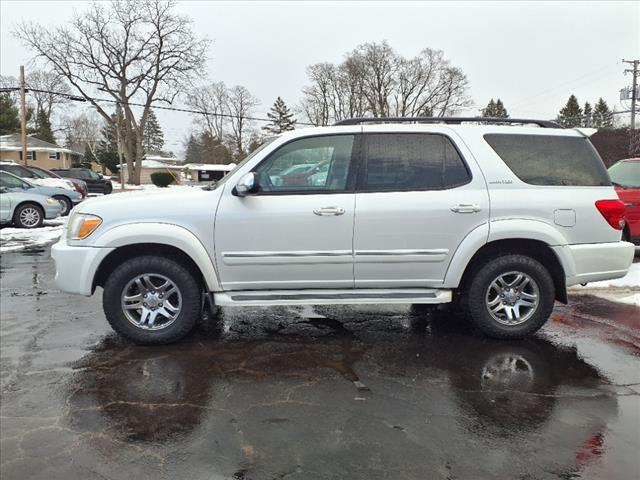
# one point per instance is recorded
(118, 115)
(634, 89)
(23, 116)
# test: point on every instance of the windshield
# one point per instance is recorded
(41, 173)
(246, 159)
(626, 174)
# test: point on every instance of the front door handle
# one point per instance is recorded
(466, 208)
(326, 211)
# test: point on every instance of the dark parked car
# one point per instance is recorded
(96, 183)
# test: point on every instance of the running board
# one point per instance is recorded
(330, 297)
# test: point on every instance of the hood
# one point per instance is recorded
(165, 205)
(52, 182)
(51, 191)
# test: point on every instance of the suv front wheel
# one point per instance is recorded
(152, 300)
(511, 296)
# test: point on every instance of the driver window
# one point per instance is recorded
(308, 165)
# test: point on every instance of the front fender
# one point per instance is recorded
(164, 234)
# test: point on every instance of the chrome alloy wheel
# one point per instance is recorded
(151, 301)
(512, 298)
(30, 217)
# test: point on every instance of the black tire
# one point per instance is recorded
(184, 280)
(108, 188)
(67, 205)
(476, 296)
(33, 208)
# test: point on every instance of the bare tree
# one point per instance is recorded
(214, 100)
(83, 130)
(241, 104)
(374, 80)
(134, 50)
(40, 83)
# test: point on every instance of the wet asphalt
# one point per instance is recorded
(312, 393)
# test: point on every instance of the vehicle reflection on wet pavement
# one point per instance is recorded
(323, 392)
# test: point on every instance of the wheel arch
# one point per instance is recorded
(26, 202)
(536, 249)
(168, 240)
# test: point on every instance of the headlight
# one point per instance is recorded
(81, 225)
(51, 201)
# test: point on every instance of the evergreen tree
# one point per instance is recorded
(281, 118)
(205, 148)
(107, 151)
(571, 114)
(9, 116)
(602, 116)
(494, 109)
(43, 130)
(587, 113)
(153, 138)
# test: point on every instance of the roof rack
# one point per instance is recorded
(448, 120)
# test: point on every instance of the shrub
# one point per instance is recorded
(162, 179)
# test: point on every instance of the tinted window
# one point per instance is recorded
(308, 165)
(550, 159)
(64, 173)
(410, 161)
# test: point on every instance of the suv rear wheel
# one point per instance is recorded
(152, 300)
(511, 296)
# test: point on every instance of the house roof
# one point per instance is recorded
(161, 158)
(157, 164)
(13, 143)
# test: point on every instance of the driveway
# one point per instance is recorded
(312, 393)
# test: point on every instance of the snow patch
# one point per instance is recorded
(15, 239)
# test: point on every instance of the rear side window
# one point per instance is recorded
(551, 159)
(412, 161)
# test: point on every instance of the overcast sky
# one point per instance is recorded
(532, 55)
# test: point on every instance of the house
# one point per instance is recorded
(150, 166)
(39, 153)
(206, 172)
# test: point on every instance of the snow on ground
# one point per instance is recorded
(14, 239)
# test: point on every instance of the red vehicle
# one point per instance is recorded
(625, 176)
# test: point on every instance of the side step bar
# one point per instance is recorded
(331, 297)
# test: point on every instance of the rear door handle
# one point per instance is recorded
(326, 211)
(466, 208)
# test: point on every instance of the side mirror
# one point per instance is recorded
(247, 185)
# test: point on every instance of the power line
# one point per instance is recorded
(76, 98)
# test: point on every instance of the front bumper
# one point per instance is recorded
(76, 266)
(592, 262)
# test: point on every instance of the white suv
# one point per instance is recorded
(502, 218)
